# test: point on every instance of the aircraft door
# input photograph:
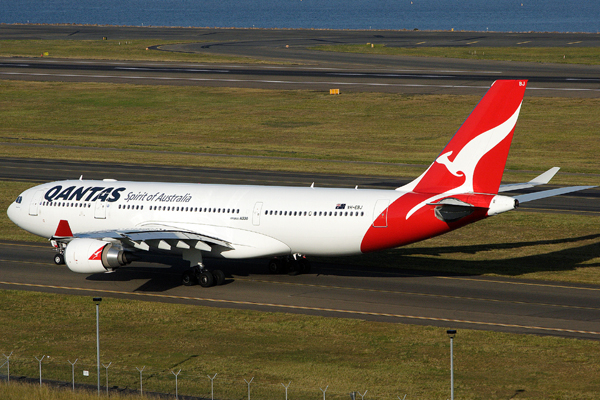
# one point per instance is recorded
(380, 214)
(100, 210)
(256, 213)
(35, 202)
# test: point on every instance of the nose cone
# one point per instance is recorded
(13, 212)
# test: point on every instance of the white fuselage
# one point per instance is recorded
(257, 220)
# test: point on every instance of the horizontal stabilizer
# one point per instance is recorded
(549, 193)
(538, 180)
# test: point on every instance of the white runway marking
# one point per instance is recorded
(263, 81)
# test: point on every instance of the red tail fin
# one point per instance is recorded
(474, 159)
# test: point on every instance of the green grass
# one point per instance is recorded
(133, 50)
(179, 124)
(559, 55)
(19, 391)
(312, 352)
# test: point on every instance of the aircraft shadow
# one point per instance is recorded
(162, 273)
(435, 261)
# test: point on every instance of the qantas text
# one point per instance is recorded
(83, 193)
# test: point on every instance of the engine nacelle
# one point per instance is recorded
(88, 256)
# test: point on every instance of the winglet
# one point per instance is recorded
(545, 177)
(63, 229)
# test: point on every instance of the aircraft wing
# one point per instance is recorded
(164, 237)
(538, 180)
(549, 193)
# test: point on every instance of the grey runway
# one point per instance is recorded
(292, 63)
(398, 296)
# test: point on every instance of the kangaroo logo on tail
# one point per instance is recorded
(444, 160)
(477, 153)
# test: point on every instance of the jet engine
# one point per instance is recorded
(88, 256)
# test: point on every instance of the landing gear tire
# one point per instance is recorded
(219, 277)
(206, 279)
(275, 266)
(59, 259)
(293, 267)
(304, 265)
(188, 278)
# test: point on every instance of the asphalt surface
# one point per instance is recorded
(291, 64)
(331, 289)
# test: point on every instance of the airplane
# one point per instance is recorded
(98, 226)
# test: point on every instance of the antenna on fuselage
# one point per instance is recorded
(81, 178)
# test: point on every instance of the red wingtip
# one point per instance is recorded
(63, 229)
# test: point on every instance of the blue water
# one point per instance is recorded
(479, 15)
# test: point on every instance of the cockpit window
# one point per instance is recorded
(19, 200)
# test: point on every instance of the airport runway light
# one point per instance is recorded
(97, 300)
(451, 333)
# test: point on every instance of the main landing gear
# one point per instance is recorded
(292, 265)
(203, 277)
